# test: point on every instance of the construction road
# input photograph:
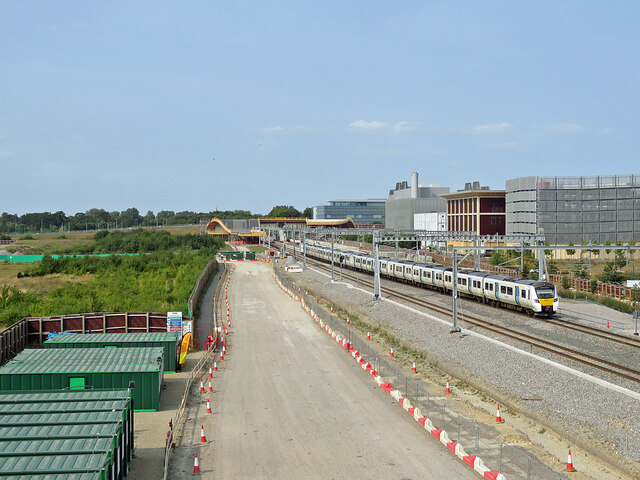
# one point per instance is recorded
(288, 402)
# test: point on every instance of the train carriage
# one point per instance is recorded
(523, 294)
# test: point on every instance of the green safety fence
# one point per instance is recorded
(38, 258)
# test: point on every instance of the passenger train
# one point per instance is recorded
(531, 296)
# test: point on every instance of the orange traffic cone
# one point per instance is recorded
(391, 352)
(215, 366)
(208, 406)
(570, 463)
(413, 369)
(608, 324)
(196, 466)
(210, 372)
(203, 439)
(498, 417)
(331, 308)
(368, 335)
(210, 389)
(448, 390)
(201, 386)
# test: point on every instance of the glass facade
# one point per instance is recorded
(362, 212)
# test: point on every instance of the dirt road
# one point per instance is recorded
(289, 403)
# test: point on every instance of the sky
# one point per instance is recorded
(245, 105)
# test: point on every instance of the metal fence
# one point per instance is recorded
(176, 427)
(512, 461)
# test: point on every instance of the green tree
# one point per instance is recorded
(284, 211)
(593, 287)
(497, 258)
(571, 251)
(607, 243)
(610, 274)
(308, 212)
(620, 257)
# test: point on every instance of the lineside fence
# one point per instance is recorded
(512, 461)
(176, 427)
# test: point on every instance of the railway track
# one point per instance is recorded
(546, 345)
(585, 329)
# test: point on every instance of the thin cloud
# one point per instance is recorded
(369, 126)
(280, 130)
(381, 127)
(405, 126)
(504, 146)
(492, 128)
(564, 128)
(271, 130)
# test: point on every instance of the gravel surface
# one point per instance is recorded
(586, 412)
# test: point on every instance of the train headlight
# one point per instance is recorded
(535, 300)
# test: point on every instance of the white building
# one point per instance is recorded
(431, 222)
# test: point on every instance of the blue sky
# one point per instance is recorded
(245, 105)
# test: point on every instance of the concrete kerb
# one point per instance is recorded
(472, 461)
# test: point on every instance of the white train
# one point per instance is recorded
(531, 296)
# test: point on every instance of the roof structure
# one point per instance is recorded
(218, 227)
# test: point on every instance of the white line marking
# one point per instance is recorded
(559, 366)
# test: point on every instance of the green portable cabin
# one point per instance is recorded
(47, 397)
(55, 476)
(71, 415)
(236, 255)
(169, 341)
(82, 368)
(97, 465)
(66, 447)
(111, 433)
(250, 255)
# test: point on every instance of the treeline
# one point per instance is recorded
(98, 219)
(140, 240)
(157, 282)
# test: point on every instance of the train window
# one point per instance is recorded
(503, 289)
(486, 286)
(523, 294)
(509, 291)
(428, 274)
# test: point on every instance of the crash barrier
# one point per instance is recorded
(475, 444)
(176, 427)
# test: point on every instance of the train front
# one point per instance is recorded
(545, 298)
